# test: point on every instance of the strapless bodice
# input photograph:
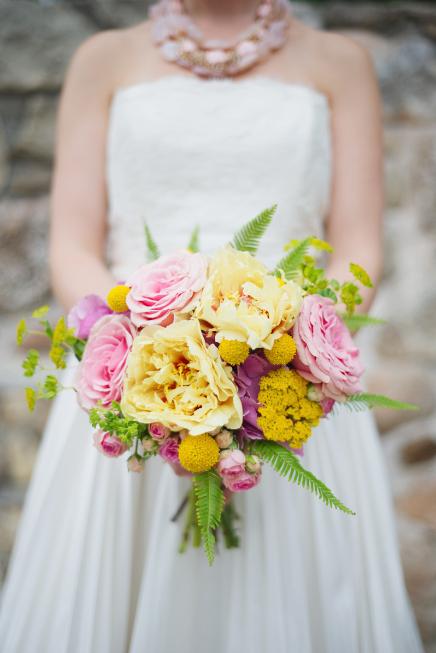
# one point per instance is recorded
(184, 152)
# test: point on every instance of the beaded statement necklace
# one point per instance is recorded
(181, 41)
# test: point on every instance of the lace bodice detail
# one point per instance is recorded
(184, 152)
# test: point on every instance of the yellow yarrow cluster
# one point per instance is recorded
(198, 453)
(116, 299)
(233, 352)
(286, 414)
(282, 351)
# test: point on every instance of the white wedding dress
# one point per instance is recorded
(95, 567)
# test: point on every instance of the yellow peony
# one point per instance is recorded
(242, 301)
(173, 377)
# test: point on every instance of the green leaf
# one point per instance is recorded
(357, 321)
(328, 292)
(50, 387)
(248, 238)
(30, 398)
(152, 248)
(321, 245)
(209, 504)
(30, 363)
(21, 331)
(363, 400)
(287, 465)
(361, 275)
(228, 527)
(290, 264)
(193, 243)
(40, 312)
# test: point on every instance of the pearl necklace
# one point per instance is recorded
(181, 42)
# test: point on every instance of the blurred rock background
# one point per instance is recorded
(37, 39)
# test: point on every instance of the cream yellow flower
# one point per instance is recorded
(173, 377)
(243, 301)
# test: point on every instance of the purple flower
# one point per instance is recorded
(247, 379)
(85, 314)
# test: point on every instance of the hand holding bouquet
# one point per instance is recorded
(215, 365)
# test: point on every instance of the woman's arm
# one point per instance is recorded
(78, 203)
(355, 220)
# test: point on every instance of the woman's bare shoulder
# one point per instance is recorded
(336, 60)
(103, 58)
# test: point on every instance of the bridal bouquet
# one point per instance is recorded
(216, 365)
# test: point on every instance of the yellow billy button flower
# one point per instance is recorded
(116, 299)
(234, 352)
(282, 351)
(198, 453)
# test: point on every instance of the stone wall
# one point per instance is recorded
(36, 42)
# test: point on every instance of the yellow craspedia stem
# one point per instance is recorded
(282, 351)
(198, 453)
(233, 352)
(116, 299)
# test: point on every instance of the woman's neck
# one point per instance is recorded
(221, 9)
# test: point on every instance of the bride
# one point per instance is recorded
(178, 130)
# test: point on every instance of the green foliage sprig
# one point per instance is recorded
(62, 341)
(287, 465)
(247, 239)
(209, 504)
(113, 421)
(194, 244)
(364, 400)
(152, 248)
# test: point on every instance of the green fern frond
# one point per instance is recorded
(194, 245)
(289, 265)
(363, 401)
(357, 321)
(152, 248)
(287, 465)
(209, 504)
(248, 238)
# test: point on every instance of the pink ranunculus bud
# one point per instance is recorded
(100, 373)
(224, 439)
(135, 464)
(326, 353)
(252, 464)
(231, 463)
(165, 287)
(108, 444)
(242, 482)
(85, 314)
(158, 431)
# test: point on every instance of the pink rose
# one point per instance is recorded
(326, 353)
(101, 371)
(108, 444)
(135, 464)
(85, 314)
(241, 482)
(158, 431)
(169, 450)
(231, 463)
(167, 286)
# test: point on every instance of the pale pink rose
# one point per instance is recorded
(108, 444)
(101, 371)
(165, 287)
(158, 431)
(149, 445)
(85, 314)
(231, 463)
(135, 464)
(241, 482)
(326, 353)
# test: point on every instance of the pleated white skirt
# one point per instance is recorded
(95, 567)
